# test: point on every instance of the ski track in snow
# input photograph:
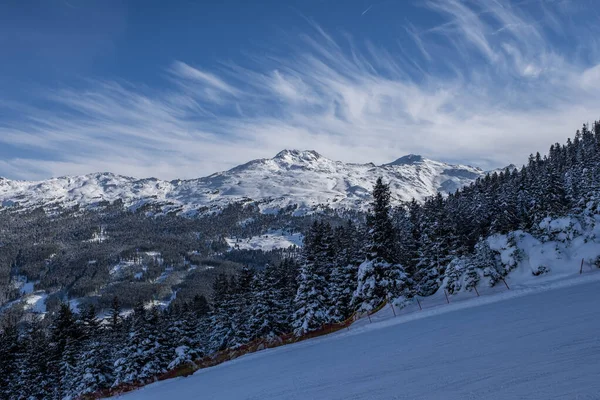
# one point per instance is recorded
(539, 342)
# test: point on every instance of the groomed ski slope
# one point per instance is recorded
(531, 343)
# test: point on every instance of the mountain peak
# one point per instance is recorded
(408, 159)
(302, 178)
(297, 155)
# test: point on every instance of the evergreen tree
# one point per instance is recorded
(486, 260)
(64, 346)
(200, 306)
(382, 234)
(381, 276)
(313, 300)
(268, 310)
(34, 372)
(221, 315)
(94, 369)
(240, 298)
(115, 314)
(186, 332)
(143, 356)
(10, 351)
(343, 277)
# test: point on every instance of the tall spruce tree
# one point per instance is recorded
(221, 314)
(65, 342)
(94, 370)
(34, 370)
(313, 300)
(380, 277)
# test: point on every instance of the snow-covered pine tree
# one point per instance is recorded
(487, 260)
(461, 274)
(94, 368)
(65, 344)
(288, 271)
(160, 354)
(313, 300)
(114, 318)
(340, 301)
(268, 310)
(241, 298)
(34, 373)
(199, 306)
(187, 330)
(127, 358)
(179, 335)
(405, 221)
(143, 357)
(381, 276)
(438, 243)
(506, 218)
(343, 278)
(472, 277)
(221, 315)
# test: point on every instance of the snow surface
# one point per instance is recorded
(266, 242)
(540, 342)
(74, 305)
(292, 177)
(122, 266)
(560, 253)
(160, 303)
(36, 302)
(27, 288)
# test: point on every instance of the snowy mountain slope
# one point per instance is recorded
(531, 344)
(267, 242)
(292, 177)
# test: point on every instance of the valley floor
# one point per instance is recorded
(539, 343)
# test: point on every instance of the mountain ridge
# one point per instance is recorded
(302, 177)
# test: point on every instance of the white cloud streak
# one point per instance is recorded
(508, 94)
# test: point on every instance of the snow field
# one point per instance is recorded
(266, 242)
(538, 342)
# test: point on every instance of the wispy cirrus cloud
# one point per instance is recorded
(486, 86)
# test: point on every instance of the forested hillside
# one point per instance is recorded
(345, 265)
(90, 256)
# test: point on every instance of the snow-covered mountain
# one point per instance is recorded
(291, 177)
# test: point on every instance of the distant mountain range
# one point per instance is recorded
(292, 177)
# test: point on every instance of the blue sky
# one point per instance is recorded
(181, 89)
